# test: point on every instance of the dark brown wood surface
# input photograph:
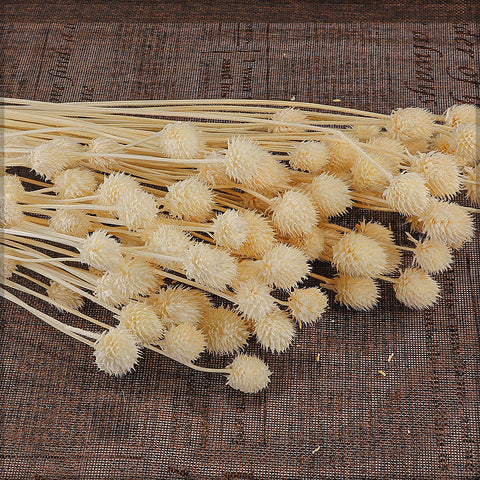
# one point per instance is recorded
(61, 419)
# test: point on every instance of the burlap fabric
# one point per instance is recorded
(335, 418)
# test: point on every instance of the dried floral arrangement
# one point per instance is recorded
(151, 209)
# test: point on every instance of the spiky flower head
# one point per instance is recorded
(359, 293)
(75, 182)
(443, 143)
(180, 140)
(294, 213)
(416, 289)
(64, 296)
(102, 146)
(288, 115)
(248, 270)
(461, 114)
(275, 331)
(115, 185)
(440, 171)
(11, 213)
(166, 239)
(272, 176)
(142, 322)
(248, 374)
(411, 123)
(310, 156)
(226, 331)
(357, 255)
(136, 209)
(307, 305)
(100, 250)
(375, 230)
(407, 194)
(390, 145)
(116, 352)
(230, 230)
(466, 144)
(214, 173)
(366, 132)
(472, 185)
(176, 305)
(448, 223)
(260, 238)
(243, 158)
(190, 199)
(418, 145)
(7, 267)
(13, 188)
(70, 222)
(312, 244)
(432, 256)
(209, 265)
(368, 178)
(184, 343)
(343, 154)
(331, 195)
(253, 299)
(284, 266)
(49, 158)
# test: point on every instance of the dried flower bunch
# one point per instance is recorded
(196, 223)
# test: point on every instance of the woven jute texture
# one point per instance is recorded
(335, 418)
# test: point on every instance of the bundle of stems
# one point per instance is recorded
(157, 210)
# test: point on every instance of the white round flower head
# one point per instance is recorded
(176, 305)
(461, 114)
(312, 244)
(64, 296)
(440, 172)
(190, 199)
(407, 194)
(366, 132)
(331, 195)
(70, 222)
(272, 176)
(142, 322)
(75, 182)
(391, 146)
(136, 209)
(209, 266)
(472, 187)
(467, 146)
(284, 266)
(243, 158)
(184, 343)
(288, 115)
(368, 178)
(180, 140)
(248, 270)
(100, 250)
(134, 277)
(13, 188)
(116, 352)
(418, 145)
(7, 267)
(115, 184)
(275, 331)
(102, 146)
(260, 238)
(443, 143)
(432, 256)
(107, 292)
(411, 123)
(248, 374)
(310, 156)
(448, 223)
(358, 293)
(416, 289)
(11, 213)
(49, 158)
(214, 173)
(166, 239)
(253, 299)
(226, 331)
(343, 154)
(357, 255)
(307, 305)
(230, 230)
